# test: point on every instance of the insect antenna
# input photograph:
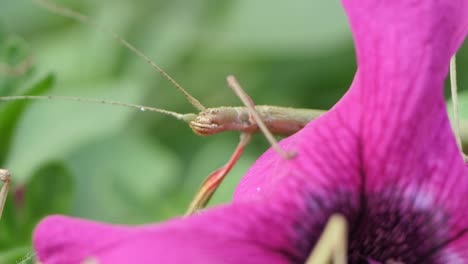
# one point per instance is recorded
(66, 12)
(184, 117)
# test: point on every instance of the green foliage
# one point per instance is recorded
(49, 191)
(110, 177)
(10, 113)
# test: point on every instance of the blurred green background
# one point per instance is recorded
(124, 166)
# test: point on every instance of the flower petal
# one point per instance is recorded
(389, 139)
(242, 233)
(395, 110)
(403, 49)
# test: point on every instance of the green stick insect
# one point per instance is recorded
(247, 119)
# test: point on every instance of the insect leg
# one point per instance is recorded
(235, 86)
(332, 245)
(5, 178)
(212, 182)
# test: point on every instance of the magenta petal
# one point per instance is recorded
(387, 145)
(393, 122)
(403, 49)
(234, 234)
(395, 109)
(61, 239)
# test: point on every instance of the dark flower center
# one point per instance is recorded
(389, 226)
(396, 228)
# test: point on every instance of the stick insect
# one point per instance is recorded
(247, 119)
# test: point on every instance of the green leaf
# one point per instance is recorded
(17, 255)
(123, 178)
(14, 53)
(3, 33)
(52, 129)
(10, 113)
(50, 191)
(10, 226)
(288, 34)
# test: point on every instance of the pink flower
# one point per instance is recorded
(384, 157)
